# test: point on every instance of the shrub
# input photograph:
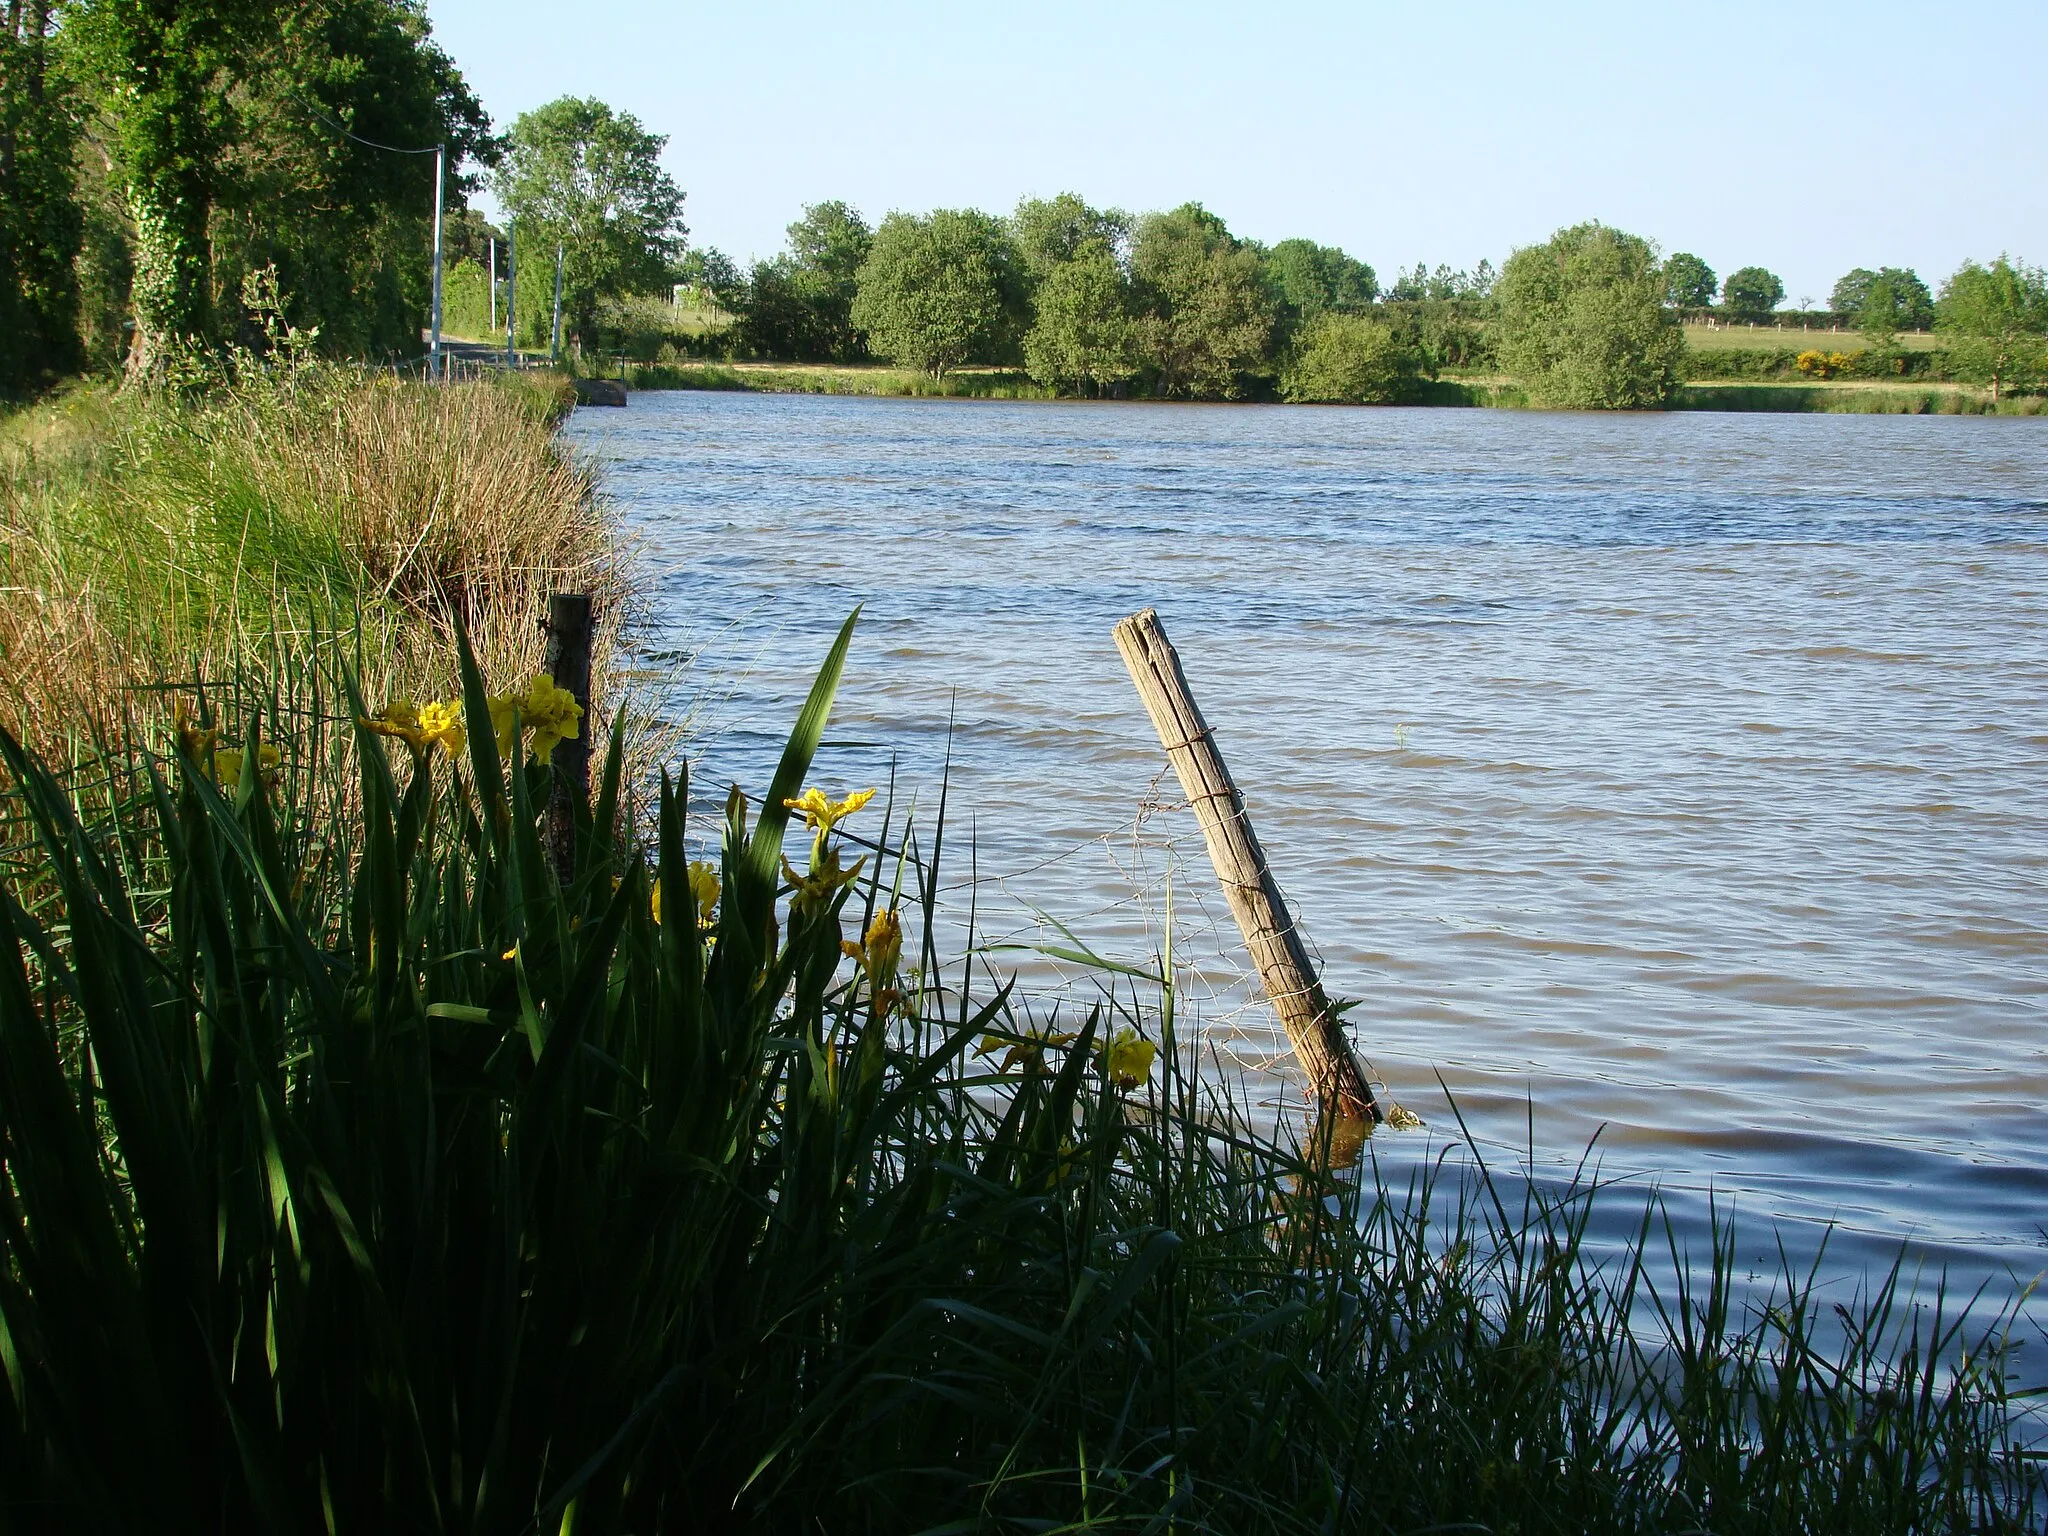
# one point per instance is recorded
(1583, 322)
(1350, 360)
(1824, 365)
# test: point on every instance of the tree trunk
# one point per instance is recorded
(172, 268)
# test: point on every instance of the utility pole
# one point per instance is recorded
(494, 285)
(555, 335)
(434, 346)
(511, 293)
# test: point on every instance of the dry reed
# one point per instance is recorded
(146, 542)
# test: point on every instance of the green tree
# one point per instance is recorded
(826, 248)
(939, 291)
(1878, 321)
(1751, 293)
(1912, 306)
(159, 67)
(1306, 280)
(1050, 231)
(236, 129)
(1995, 317)
(1347, 359)
(1583, 321)
(1689, 283)
(41, 224)
(1082, 338)
(1205, 320)
(580, 175)
(347, 225)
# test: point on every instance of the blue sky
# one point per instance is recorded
(1807, 138)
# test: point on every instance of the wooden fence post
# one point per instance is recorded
(568, 658)
(1255, 901)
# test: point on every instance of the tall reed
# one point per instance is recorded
(362, 1174)
(145, 539)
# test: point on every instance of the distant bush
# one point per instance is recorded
(1583, 322)
(1823, 365)
(1350, 360)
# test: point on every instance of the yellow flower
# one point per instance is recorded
(884, 944)
(227, 765)
(822, 814)
(704, 886)
(442, 722)
(1027, 1052)
(826, 877)
(551, 713)
(1129, 1059)
(191, 737)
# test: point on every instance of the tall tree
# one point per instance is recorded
(1050, 231)
(579, 175)
(159, 66)
(1912, 306)
(1689, 283)
(1307, 280)
(940, 291)
(1996, 317)
(347, 224)
(40, 222)
(801, 305)
(1583, 321)
(1082, 338)
(1751, 293)
(1205, 319)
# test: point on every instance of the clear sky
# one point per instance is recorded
(1808, 138)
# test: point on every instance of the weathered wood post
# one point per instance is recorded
(1255, 900)
(568, 658)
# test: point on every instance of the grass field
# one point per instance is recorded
(1762, 338)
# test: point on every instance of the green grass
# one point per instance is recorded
(145, 535)
(364, 1174)
(1723, 338)
(1854, 397)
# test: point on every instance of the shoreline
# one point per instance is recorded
(1485, 392)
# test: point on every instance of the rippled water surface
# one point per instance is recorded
(1678, 775)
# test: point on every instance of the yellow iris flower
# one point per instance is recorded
(821, 813)
(550, 713)
(421, 727)
(227, 765)
(1129, 1059)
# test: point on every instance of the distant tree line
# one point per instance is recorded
(1098, 302)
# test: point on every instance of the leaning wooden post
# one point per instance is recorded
(1255, 900)
(568, 660)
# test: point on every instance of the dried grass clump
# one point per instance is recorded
(148, 541)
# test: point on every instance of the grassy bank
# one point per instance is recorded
(143, 538)
(364, 1175)
(1748, 338)
(1857, 398)
(838, 379)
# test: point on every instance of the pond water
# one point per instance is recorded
(1675, 779)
